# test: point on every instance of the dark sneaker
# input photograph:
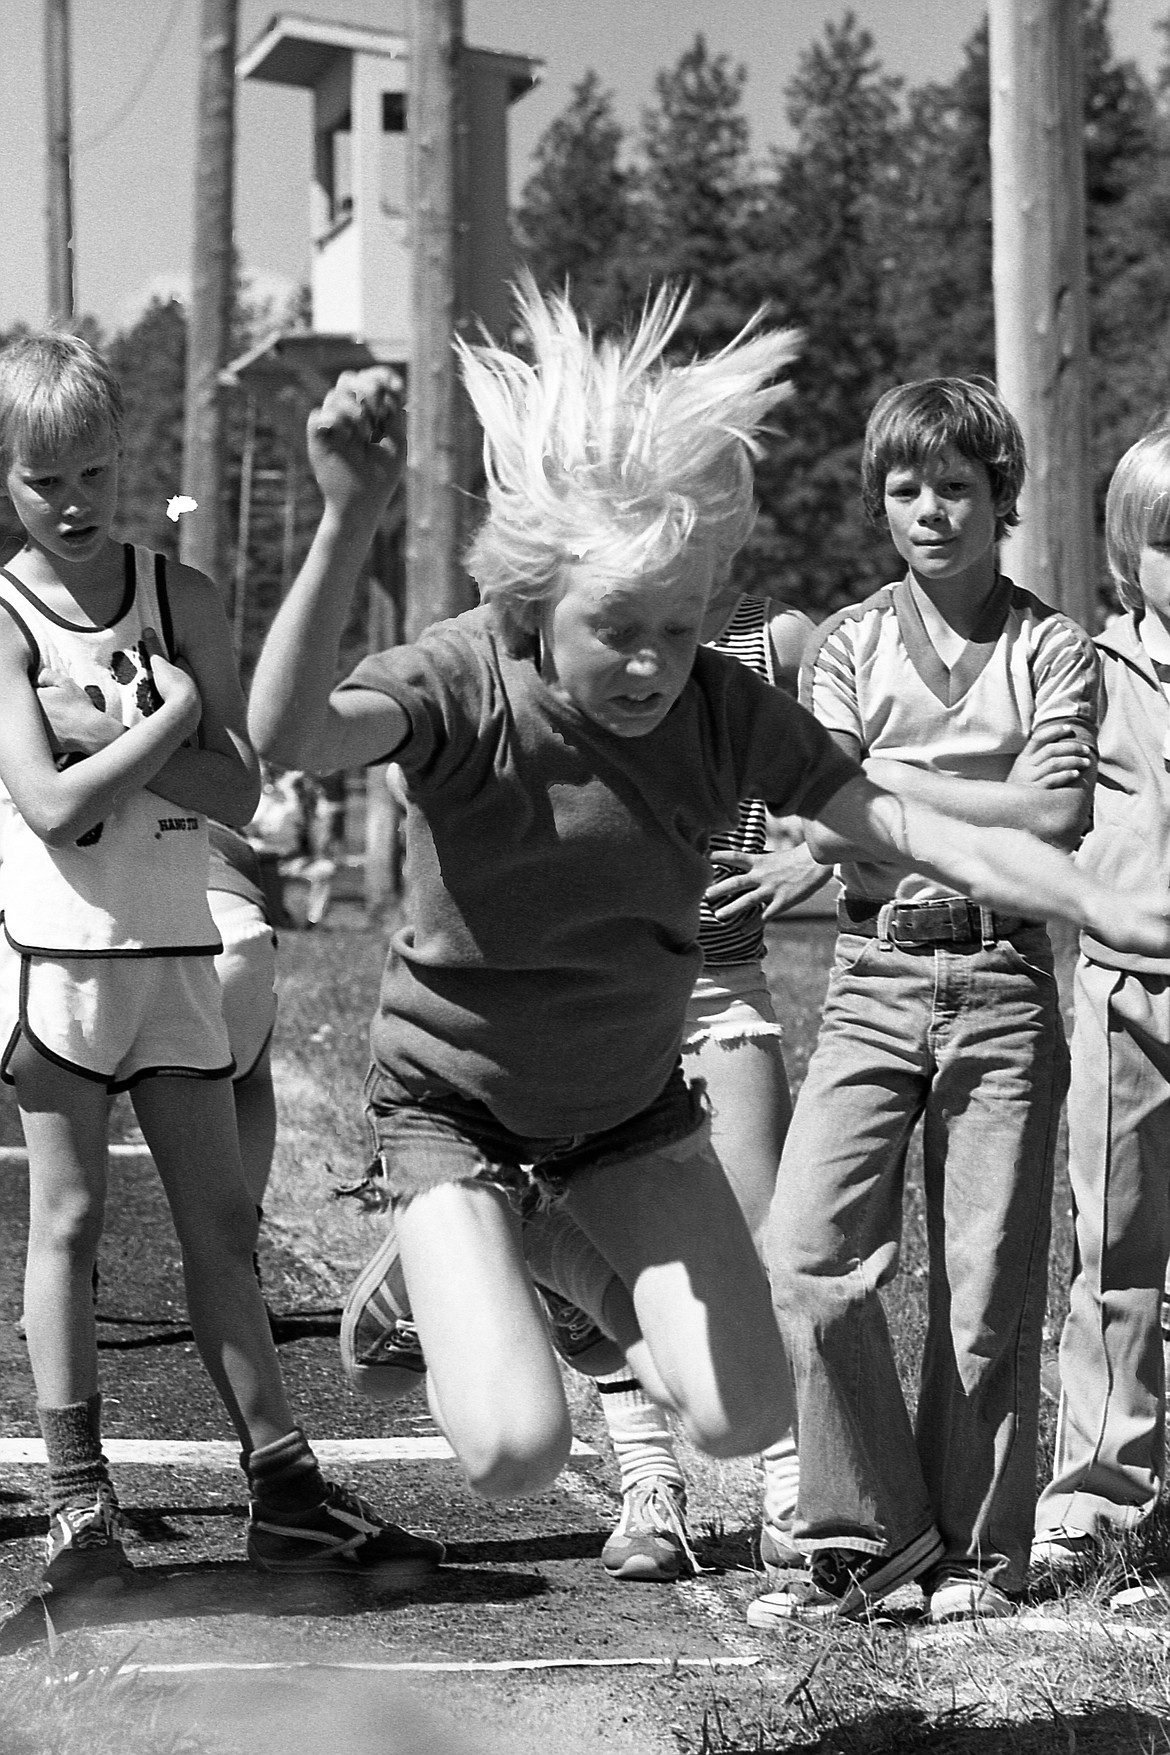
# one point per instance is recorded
(844, 1582)
(380, 1352)
(578, 1339)
(650, 1544)
(962, 1593)
(84, 1552)
(342, 1534)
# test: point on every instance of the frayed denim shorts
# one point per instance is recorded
(436, 1135)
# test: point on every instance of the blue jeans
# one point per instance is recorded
(970, 1040)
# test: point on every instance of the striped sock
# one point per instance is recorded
(284, 1475)
(73, 1443)
(642, 1440)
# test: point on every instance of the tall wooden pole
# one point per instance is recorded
(59, 197)
(1039, 269)
(213, 271)
(435, 583)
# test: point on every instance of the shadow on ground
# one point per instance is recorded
(213, 1589)
(1090, 1730)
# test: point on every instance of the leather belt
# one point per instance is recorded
(951, 920)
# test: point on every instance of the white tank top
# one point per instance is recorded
(136, 884)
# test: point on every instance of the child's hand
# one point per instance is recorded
(1058, 753)
(357, 438)
(774, 881)
(175, 684)
(77, 725)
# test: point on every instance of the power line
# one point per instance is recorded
(144, 79)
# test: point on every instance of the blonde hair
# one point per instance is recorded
(1137, 510)
(55, 391)
(603, 452)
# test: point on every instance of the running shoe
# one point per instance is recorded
(342, 1534)
(84, 1552)
(1062, 1550)
(577, 1338)
(844, 1582)
(380, 1351)
(650, 1544)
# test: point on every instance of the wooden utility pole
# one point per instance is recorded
(59, 197)
(437, 415)
(1039, 271)
(212, 286)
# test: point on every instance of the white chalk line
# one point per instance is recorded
(462, 1667)
(219, 1454)
(19, 1154)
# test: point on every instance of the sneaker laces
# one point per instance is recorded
(575, 1324)
(86, 1526)
(658, 1503)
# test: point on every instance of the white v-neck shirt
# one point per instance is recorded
(876, 675)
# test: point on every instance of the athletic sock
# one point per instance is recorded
(561, 1257)
(781, 1481)
(284, 1474)
(642, 1440)
(78, 1472)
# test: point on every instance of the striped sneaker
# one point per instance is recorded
(380, 1351)
(342, 1534)
(84, 1552)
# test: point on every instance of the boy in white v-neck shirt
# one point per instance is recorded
(956, 687)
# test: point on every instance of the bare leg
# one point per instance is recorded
(747, 1087)
(495, 1384)
(190, 1127)
(65, 1119)
(671, 1228)
(255, 1102)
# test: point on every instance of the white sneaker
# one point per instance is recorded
(650, 1544)
(960, 1593)
(1063, 1549)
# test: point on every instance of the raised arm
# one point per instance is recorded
(1001, 867)
(295, 718)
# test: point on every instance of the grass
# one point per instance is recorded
(63, 1706)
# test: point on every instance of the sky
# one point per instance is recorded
(135, 67)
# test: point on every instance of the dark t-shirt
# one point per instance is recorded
(554, 871)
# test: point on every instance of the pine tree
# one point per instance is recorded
(574, 209)
(821, 257)
(149, 360)
(693, 192)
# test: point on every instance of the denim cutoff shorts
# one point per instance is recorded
(436, 1135)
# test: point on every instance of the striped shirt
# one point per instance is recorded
(873, 672)
(746, 637)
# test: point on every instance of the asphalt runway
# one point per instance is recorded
(521, 1628)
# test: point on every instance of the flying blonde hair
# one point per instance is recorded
(605, 453)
